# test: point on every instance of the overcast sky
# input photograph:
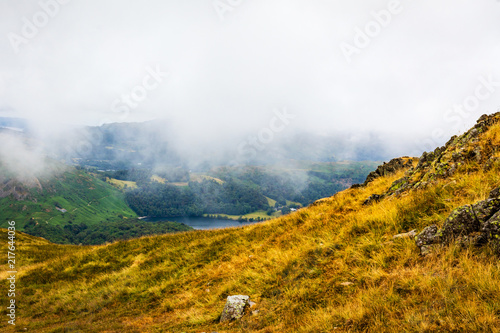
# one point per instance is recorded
(231, 63)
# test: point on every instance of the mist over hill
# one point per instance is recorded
(155, 144)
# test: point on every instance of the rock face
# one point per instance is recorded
(460, 154)
(388, 168)
(18, 189)
(383, 170)
(235, 306)
(471, 224)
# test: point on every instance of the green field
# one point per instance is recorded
(260, 213)
(120, 184)
(72, 196)
(271, 202)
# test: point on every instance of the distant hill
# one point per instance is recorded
(18, 124)
(152, 144)
(68, 196)
(333, 266)
(71, 205)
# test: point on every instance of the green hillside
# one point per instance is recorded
(71, 196)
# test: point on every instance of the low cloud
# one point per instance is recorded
(229, 68)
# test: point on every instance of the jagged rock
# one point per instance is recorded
(494, 193)
(392, 166)
(412, 233)
(472, 224)
(450, 159)
(399, 184)
(234, 308)
(485, 209)
(491, 230)
(462, 221)
(373, 198)
(482, 118)
(428, 236)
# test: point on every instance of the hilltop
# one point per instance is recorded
(333, 266)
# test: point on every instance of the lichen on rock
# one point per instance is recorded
(234, 308)
(475, 224)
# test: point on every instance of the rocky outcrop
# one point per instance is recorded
(18, 189)
(391, 167)
(465, 153)
(384, 170)
(234, 308)
(372, 199)
(470, 224)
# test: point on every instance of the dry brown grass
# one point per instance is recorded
(293, 267)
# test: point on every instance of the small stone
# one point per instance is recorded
(255, 312)
(252, 304)
(207, 290)
(234, 308)
(346, 284)
(425, 250)
(411, 234)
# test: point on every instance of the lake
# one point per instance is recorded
(200, 223)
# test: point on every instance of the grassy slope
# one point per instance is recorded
(85, 198)
(260, 213)
(292, 267)
(271, 202)
(120, 184)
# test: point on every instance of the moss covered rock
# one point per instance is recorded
(235, 307)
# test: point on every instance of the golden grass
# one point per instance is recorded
(158, 179)
(196, 177)
(120, 184)
(254, 215)
(294, 267)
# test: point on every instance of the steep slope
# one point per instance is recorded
(333, 266)
(67, 195)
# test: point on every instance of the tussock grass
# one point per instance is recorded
(294, 267)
